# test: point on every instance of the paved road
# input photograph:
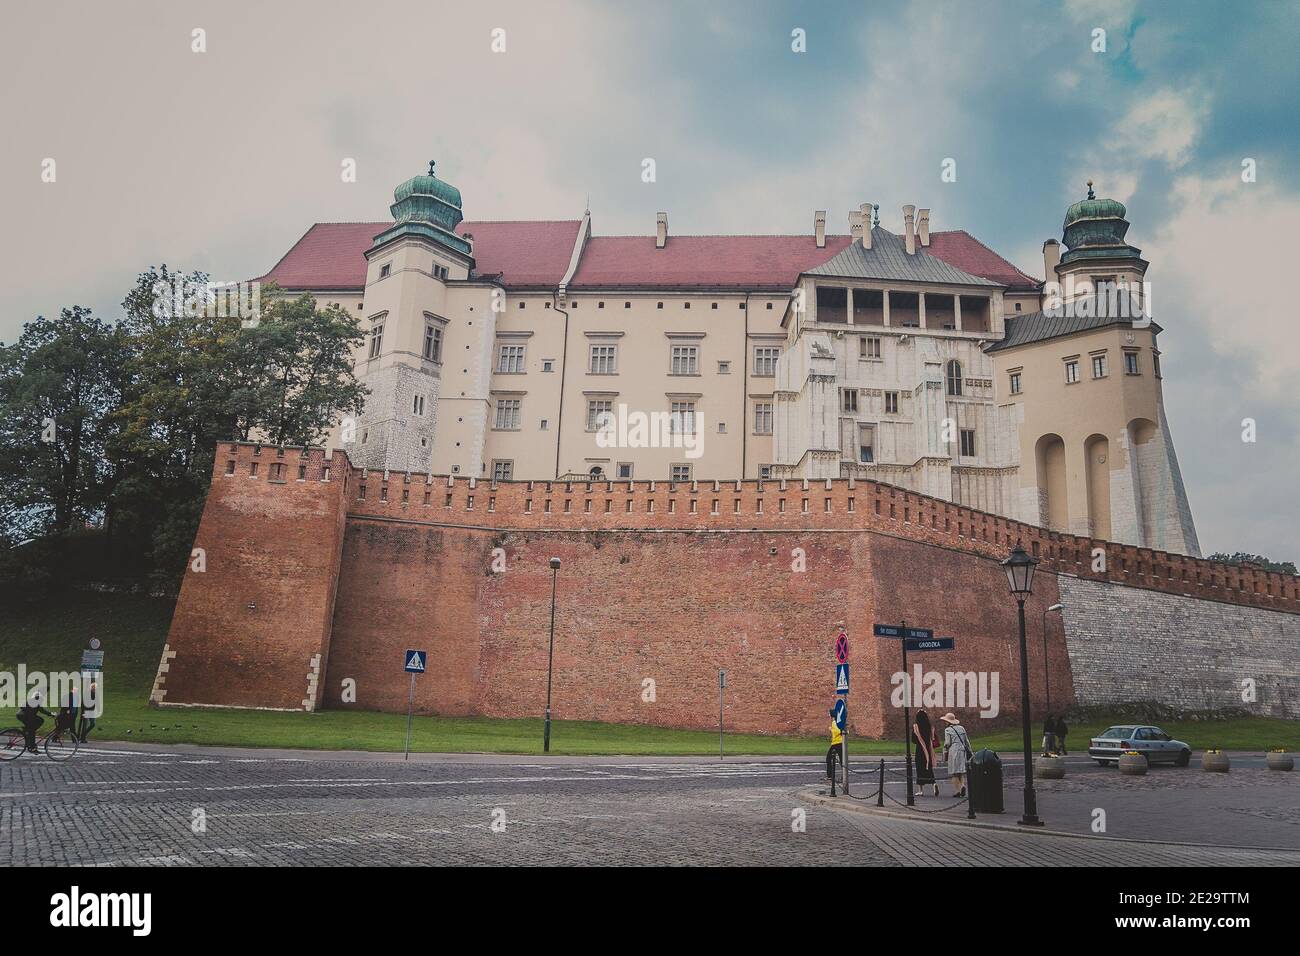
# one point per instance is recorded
(153, 805)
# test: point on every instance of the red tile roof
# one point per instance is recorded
(331, 255)
(959, 248)
(533, 254)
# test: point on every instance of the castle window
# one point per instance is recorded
(685, 360)
(376, 339)
(769, 306)
(417, 405)
(954, 377)
(681, 473)
(548, 365)
(627, 305)
(522, 303)
(762, 418)
(765, 360)
(891, 403)
(625, 469)
(724, 367)
(433, 342)
(384, 270)
(764, 472)
(968, 443)
(868, 347)
(230, 467)
(598, 411)
(545, 424)
(1015, 383)
(503, 470)
(603, 359)
(714, 306)
(681, 420)
(595, 473)
(508, 414)
(848, 399)
(1155, 363)
(510, 360)
(277, 471)
(1099, 366)
(866, 443)
(1131, 363)
(302, 472)
(1071, 371)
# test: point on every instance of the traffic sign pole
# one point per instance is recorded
(410, 709)
(907, 719)
(722, 686)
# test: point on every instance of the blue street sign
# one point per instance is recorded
(415, 662)
(933, 644)
(887, 630)
(919, 633)
(841, 678)
(841, 713)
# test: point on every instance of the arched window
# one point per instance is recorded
(596, 472)
(954, 377)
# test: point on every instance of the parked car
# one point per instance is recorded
(1154, 743)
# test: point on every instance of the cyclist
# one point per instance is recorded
(30, 717)
(67, 719)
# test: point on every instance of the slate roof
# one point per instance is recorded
(888, 260)
(1040, 326)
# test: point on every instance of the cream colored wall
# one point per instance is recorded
(1075, 412)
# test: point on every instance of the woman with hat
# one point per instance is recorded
(956, 745)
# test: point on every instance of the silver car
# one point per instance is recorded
(1157, 745)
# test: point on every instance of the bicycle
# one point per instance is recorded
(59, 744)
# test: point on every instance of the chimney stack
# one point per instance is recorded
(865, 213)
(855, 225)
(819, 227)
(909, 228)
(1051, 259)
(661, 229)
(923, 227)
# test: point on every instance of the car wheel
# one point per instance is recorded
(1184, 758)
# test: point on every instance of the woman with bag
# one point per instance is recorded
(923, 737)
(955, 747)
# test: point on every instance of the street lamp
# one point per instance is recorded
(1020, 576)
(1047, 683)
(550, 656)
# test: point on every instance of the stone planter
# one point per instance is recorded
(1049, 768)
(1134, 764)
(1280, 762)
(1215, 763)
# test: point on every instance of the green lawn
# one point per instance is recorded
(133, 628)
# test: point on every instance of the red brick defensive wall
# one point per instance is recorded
(318, 576)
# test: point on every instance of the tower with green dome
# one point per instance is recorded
(1095, 229)
(428, 207)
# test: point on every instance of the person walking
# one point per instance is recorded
(1061, 731)
(87, 722)
(923, 739)
(836, 750)
(1049, 735)
(956, 746)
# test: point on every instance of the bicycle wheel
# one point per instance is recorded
(60, 746)
(12, 743)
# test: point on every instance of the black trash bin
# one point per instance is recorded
(985, 782)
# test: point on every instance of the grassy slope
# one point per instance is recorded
(133, 629)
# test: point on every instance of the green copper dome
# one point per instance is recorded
(426, 206)
(1095, 228)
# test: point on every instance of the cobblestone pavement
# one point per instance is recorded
(118, 804)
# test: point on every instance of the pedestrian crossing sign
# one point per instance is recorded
(415, 662)
(841, 678)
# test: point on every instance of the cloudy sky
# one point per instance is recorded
(219, 160)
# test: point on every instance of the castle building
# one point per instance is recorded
(537, 350)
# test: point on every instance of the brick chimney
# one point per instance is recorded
(923, 227)
(661, 229)
(909, 228)
(819, 227)
(865, 212)
(855, 225)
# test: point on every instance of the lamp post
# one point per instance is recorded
(1047, 681)
(550, 656)
(1020, 576)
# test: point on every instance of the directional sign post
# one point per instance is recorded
(414, 664)
(722, 686)
(842, 699)
(915, 644)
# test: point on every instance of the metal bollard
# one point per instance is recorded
(880, 793)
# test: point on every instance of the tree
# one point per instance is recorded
(58, 385)
(296, 370)
(1243, 559)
